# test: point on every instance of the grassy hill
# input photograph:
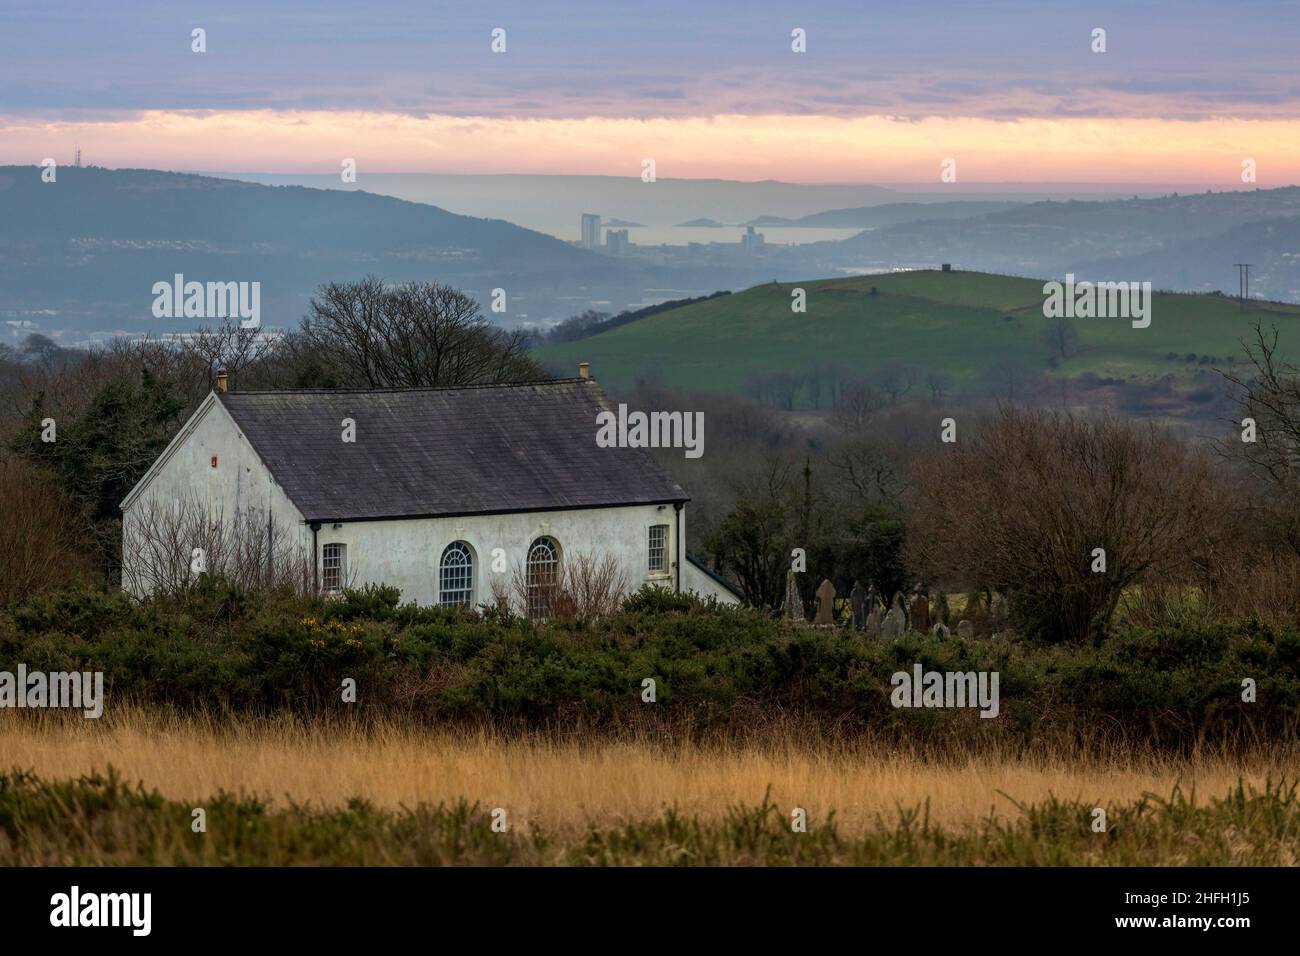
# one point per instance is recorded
(959, 324)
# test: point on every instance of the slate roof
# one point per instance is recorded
(434, 452)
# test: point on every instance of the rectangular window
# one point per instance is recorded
(334, 567)
(658, 548)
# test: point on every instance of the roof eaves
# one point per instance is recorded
(545, 509)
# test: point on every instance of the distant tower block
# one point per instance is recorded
(590, 231)
(947, 267)
(616, 242)
(77, 160)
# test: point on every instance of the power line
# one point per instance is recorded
(1243, 283)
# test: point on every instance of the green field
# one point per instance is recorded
(962, 325)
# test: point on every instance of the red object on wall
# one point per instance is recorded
(214, 461)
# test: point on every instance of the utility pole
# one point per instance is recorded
(1243, 283)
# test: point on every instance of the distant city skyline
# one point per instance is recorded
(1012, 92)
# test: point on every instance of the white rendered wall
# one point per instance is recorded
(406, 553)
(696, 581)
(184, 476)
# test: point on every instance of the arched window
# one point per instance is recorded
(456, 576)
(542, 577)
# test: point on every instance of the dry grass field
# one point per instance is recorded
(564, 783)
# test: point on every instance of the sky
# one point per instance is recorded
(886, 92)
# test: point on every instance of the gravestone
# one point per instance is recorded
(898, 606)
(858, 601)
(895, 624)
(941, 608)
(941, 631)
(998, 608)
(825, 605)
(965, 630)
(920, 612)
(873, 620)
(793, 602)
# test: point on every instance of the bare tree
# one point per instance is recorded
(869, 467)
(228, 346)
(1009, 380)
(777, 389)
(1061, 336)
(854, 403)
(939, 386)
(755, 538)
(812, 383)
(896, 380)
(1269, 395)
(418, 334)
(583, 587)
(169, 545)
(42, 534)
(1022, 505)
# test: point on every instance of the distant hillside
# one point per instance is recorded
(966, 328)
(85, 250)
(81, 255)
(889, 214)
(1187, 242)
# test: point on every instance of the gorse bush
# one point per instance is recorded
(654, 600)
(713, 667)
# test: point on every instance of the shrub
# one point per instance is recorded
(717, 669)
(656, 600)
(42, 534)
(1023, 504)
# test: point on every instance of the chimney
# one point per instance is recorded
(223, 380)
(584, 370)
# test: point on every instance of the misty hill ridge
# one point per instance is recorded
(148, 205)
(1188, 242)
(888, 214)
(84, 251)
